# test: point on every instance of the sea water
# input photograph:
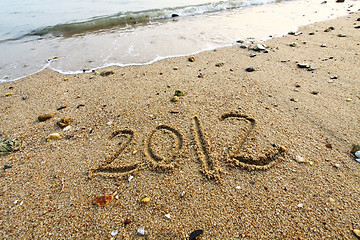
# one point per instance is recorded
(69, 36)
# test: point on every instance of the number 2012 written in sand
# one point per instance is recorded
(114, 167)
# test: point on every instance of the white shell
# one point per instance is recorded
(141, 231)
(357, 154)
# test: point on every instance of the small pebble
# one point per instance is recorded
(145, 200)
(323, 45)
(167, 215)
(127, 221)
(130, 178)
(114, 232)
(348, 99)
(293, 44)
(252, 55)
(175, 99)
(141, 231)
(176, 68)
(299, 159)
(341, 35)
(219, 64)
(44, 117)
(294, 100)
(24, 97)
(195, 234)
(357, 232)
(250, 69)
(191, 59)
(300, 205)
(53, 136)
(357, 154)
(315, 92)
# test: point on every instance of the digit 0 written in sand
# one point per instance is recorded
(124, 161)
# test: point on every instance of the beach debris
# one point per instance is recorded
(64, 122)
(293, 44)
(299, 159)
(311, 33)
(357, 154)
(53, 136)
(106, 73)
(114, 233)
(103, 200)
(219, 64)
(44, 117)
(195, 234)
(179, 93)
(191, 59)
(250, 69)
(141, 231)
(9, 94)
(357, 232)
(168, 216)
(341, 35)
(127, 221)
(175, 99)
(174, 111)
(61, 108)
(9, 145)
(176, 68)
(54, 58)
(131, 177)
(7, 167)
(145, 200)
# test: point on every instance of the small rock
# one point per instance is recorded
(127, 221)
(243, 46)
(53, 136)
(315, 92)
(293, 44)
(191, 59)
(24, 97)
(195, 234)
(174, 111)
(61, 108)
(337, 165)
(341, 35)
(106, 73)
(357, 154)
(219, 64)
(348, 99)
(130, 178)
(238, 187)
(252, 55)
(312, 33)
(145, 200)
(300, 205)
(334, 77)
(328, 145)
(299, 159)
(114, 232)
(175, 99)
(175, 68)
(167, 215)
(323, 45)
(9, 94)
(67, 128)
(179, 93)
(294, 100)
(141, 231)
(312, 67)
(174, 15)
(303, 65)
(103, 200)
(44, 117)
(9, 145)
(7, 167)
(355, 148)
(259, 47)
(340, 1)
(250, 69)
(357, 232)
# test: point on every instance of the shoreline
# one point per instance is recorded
(238, 154)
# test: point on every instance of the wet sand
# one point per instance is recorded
(242, 155)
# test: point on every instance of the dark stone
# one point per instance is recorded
(60, 108)
(174, 15)
(195, 234)
(250, 69)
(340, 1)
(7, 167)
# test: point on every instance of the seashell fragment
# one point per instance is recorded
(103, 200)
(357, 232)
(64, 122)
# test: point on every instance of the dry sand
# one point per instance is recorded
(207, 161)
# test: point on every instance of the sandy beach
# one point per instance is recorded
(236, 145)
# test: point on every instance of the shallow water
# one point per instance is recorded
(148, 38)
